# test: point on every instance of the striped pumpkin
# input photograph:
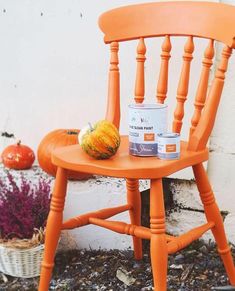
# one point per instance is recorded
(100, 141)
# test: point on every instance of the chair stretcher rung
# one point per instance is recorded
(185, 239)
(125, 228)
(122, 227)
(83, 220)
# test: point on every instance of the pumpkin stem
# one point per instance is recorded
(91, 128)
(72, 132)
(18, 142)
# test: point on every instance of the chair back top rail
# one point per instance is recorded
(200, 19)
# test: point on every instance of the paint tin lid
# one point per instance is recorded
(169, 134)
(147, 106)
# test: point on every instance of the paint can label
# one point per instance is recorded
(145, 122)
(168, 146)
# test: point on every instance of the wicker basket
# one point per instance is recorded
(24, 263)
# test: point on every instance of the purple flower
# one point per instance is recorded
(23, 206)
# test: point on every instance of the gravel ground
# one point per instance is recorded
(198, 267)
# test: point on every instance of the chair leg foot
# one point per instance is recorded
(158, 253)
(134, 199)
(226, 256)
(53, 228)
(158, 242)
(213, 214)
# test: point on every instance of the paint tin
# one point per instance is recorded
(168, 146)
(145, 122)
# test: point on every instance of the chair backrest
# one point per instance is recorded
(213, 21)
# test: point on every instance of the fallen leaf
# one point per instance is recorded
(124, 276)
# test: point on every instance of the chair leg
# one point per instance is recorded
(134, 199)
(158, 243)
(213, 214)
(53, 228)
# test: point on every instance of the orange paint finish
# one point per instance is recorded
(53, 228)
(125, 165)
(134, 199)
(185, 239)
(213, 214)
(182, 90)
(83, 220)
(202, 86)
(201, 134)
(113, 102)
(158, 241)
(160, 19)
(140, 79)
(162, 84)
(139, 22)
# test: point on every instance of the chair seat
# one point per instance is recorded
(123, 164)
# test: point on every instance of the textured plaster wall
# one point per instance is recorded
(53, 74)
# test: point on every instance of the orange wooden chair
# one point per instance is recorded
(212, 21)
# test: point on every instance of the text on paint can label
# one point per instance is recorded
(146, 121)
(168, 146)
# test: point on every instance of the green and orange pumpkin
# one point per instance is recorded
(100, 141)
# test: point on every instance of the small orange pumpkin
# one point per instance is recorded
(55, 139)
(18, 156)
